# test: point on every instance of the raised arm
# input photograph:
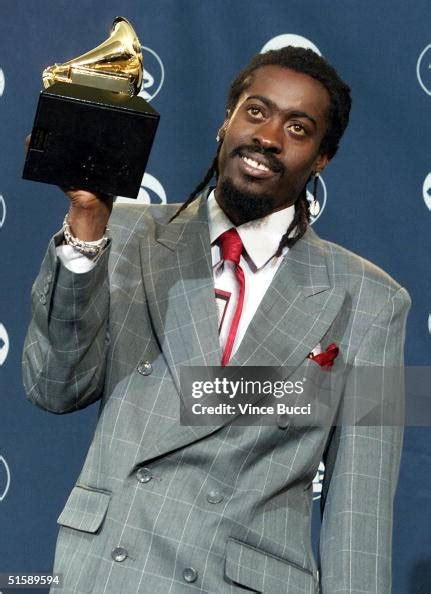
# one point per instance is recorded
(65, 348)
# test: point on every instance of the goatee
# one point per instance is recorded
(242, 206)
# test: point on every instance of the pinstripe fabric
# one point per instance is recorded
(151, 299)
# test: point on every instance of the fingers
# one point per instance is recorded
(87, 198)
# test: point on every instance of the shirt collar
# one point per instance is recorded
(260, 238)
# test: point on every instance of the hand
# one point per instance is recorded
(88, 214)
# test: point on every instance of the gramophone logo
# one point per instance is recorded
(289, 39)
(426, 191)
(2, 211)
(4, 478)
(317, 482)
(423, 69)
(154, 74)
(4, 344)
(151, 192)
(321, 198)
(2, 82)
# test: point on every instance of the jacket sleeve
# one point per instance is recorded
(65, 348)
(362, 462)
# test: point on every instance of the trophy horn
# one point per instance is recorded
(114, 65)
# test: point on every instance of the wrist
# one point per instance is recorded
(90, 248)
(88, 224)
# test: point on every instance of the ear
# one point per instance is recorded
(222, 130)
(321, 162)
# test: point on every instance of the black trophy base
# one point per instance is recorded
(91, 139)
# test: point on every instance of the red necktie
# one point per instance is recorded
(231, 249)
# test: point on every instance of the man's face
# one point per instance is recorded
(271, 143)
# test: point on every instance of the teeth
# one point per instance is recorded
(255, 164)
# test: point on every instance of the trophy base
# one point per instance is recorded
(91, 139)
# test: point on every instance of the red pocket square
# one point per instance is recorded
(326, 358)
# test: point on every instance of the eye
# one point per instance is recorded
(297, 129)
(255, 112)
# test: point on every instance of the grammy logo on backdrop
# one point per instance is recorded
(91, 130)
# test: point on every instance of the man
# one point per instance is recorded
(161, 506)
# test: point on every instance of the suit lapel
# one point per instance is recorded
(178, 281)
(180, 290)
(296, 311)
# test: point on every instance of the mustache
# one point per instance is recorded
(271, 160)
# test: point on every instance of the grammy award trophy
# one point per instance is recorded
(91, 130)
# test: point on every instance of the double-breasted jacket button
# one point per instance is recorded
(283, 421)
(119, 554)
(214, 496)
(190, 575)
(145, 368)
(144, 475)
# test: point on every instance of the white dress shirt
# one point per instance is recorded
(260, 239)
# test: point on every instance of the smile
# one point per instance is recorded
(255, 168)
(255, 164)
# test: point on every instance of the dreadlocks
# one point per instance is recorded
(307, 62)
(212, 172)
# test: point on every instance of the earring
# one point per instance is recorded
(218, 138)
(314, 206)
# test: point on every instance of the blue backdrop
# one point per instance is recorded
(378, 201)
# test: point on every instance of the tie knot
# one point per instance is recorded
(231, 246)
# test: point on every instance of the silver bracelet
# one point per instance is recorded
(91, 249)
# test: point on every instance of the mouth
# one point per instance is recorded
(257, 165)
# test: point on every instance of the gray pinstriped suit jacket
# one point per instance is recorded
(150, 298)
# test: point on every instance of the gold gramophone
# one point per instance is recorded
(91, 130)
(114, 65)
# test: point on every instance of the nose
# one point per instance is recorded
(269, 135)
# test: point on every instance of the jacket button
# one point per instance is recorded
(283, 421)
(144, 475)
(190, 575)
(145, 368)
(119, 554)
(214, 497)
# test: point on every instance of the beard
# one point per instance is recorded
(242, 206)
